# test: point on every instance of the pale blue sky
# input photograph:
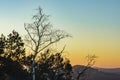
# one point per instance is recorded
(81, 13)
(94, 24)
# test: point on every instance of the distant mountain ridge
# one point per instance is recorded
(97, 73)
(110, 70)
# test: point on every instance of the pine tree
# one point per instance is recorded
(12, 46)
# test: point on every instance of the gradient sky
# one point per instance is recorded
(94, 25)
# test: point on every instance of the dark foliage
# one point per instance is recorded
(52, 67)
(2, 44)
(12, 56)
(12, 46)
(12, 70)
(47, 66)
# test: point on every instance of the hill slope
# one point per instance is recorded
(95, 74)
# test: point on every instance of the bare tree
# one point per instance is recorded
(40, 35)
(91, 59)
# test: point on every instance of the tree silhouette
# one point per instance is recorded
(2, 44)
(12, 46)
(91, 59)
(41, 35)
(12, 70)
(53, 67)
(47, 65)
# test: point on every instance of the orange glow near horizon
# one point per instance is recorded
(107, 52)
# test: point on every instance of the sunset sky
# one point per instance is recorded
(94, 25)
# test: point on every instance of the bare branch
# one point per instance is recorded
(63, 49)
(29, 34)
(91, 62)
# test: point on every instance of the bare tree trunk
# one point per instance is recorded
(33, 70)
(82, 72)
